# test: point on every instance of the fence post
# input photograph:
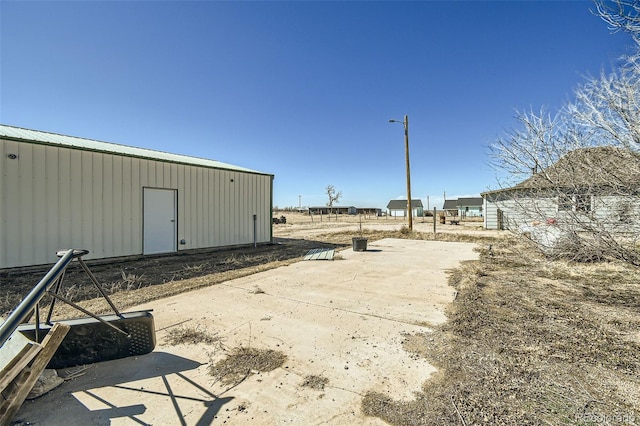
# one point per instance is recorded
(434, 221)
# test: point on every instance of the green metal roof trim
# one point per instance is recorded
(46, 138)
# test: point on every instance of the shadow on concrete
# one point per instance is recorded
(71, 399)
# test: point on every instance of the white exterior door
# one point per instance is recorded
(159, 221)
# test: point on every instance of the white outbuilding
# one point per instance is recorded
(60, 192)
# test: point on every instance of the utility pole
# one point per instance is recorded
(406, 151)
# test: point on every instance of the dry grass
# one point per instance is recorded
(529, 341)
(196, 267)
(243, 361)
(315, 382)
(344, 237)
(191, 336)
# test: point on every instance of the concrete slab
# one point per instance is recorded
(342, 319)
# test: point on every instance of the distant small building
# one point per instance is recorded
(470, 207)
(396, 206)
(464, 207)
(333, 210)
(373, 211)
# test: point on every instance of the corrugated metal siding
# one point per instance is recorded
(59, 197)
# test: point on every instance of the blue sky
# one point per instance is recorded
(302, 90)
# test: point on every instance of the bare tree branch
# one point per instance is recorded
(334, 196)
(620, 15)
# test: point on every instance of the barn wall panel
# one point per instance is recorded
(59, 197)
(11, 203)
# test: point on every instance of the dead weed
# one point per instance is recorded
(190, 336)
(243, 361)
(344, 237)
(315, 382)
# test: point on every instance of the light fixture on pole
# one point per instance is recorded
(406, 152)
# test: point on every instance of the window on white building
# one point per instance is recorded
(574, 203)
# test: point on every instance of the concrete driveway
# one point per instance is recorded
(343, 320)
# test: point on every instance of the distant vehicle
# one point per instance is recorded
(280, 219)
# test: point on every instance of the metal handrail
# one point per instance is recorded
(28, 304)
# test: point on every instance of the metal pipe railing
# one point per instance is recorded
(29, 303)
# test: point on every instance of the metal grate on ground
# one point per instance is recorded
(320, 254)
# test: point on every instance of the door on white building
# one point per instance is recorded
(160, 226)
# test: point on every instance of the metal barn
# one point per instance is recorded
(66, 192)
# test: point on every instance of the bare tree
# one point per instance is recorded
(607, 109)
(572, 180)
(621, 15)
(334, 196)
